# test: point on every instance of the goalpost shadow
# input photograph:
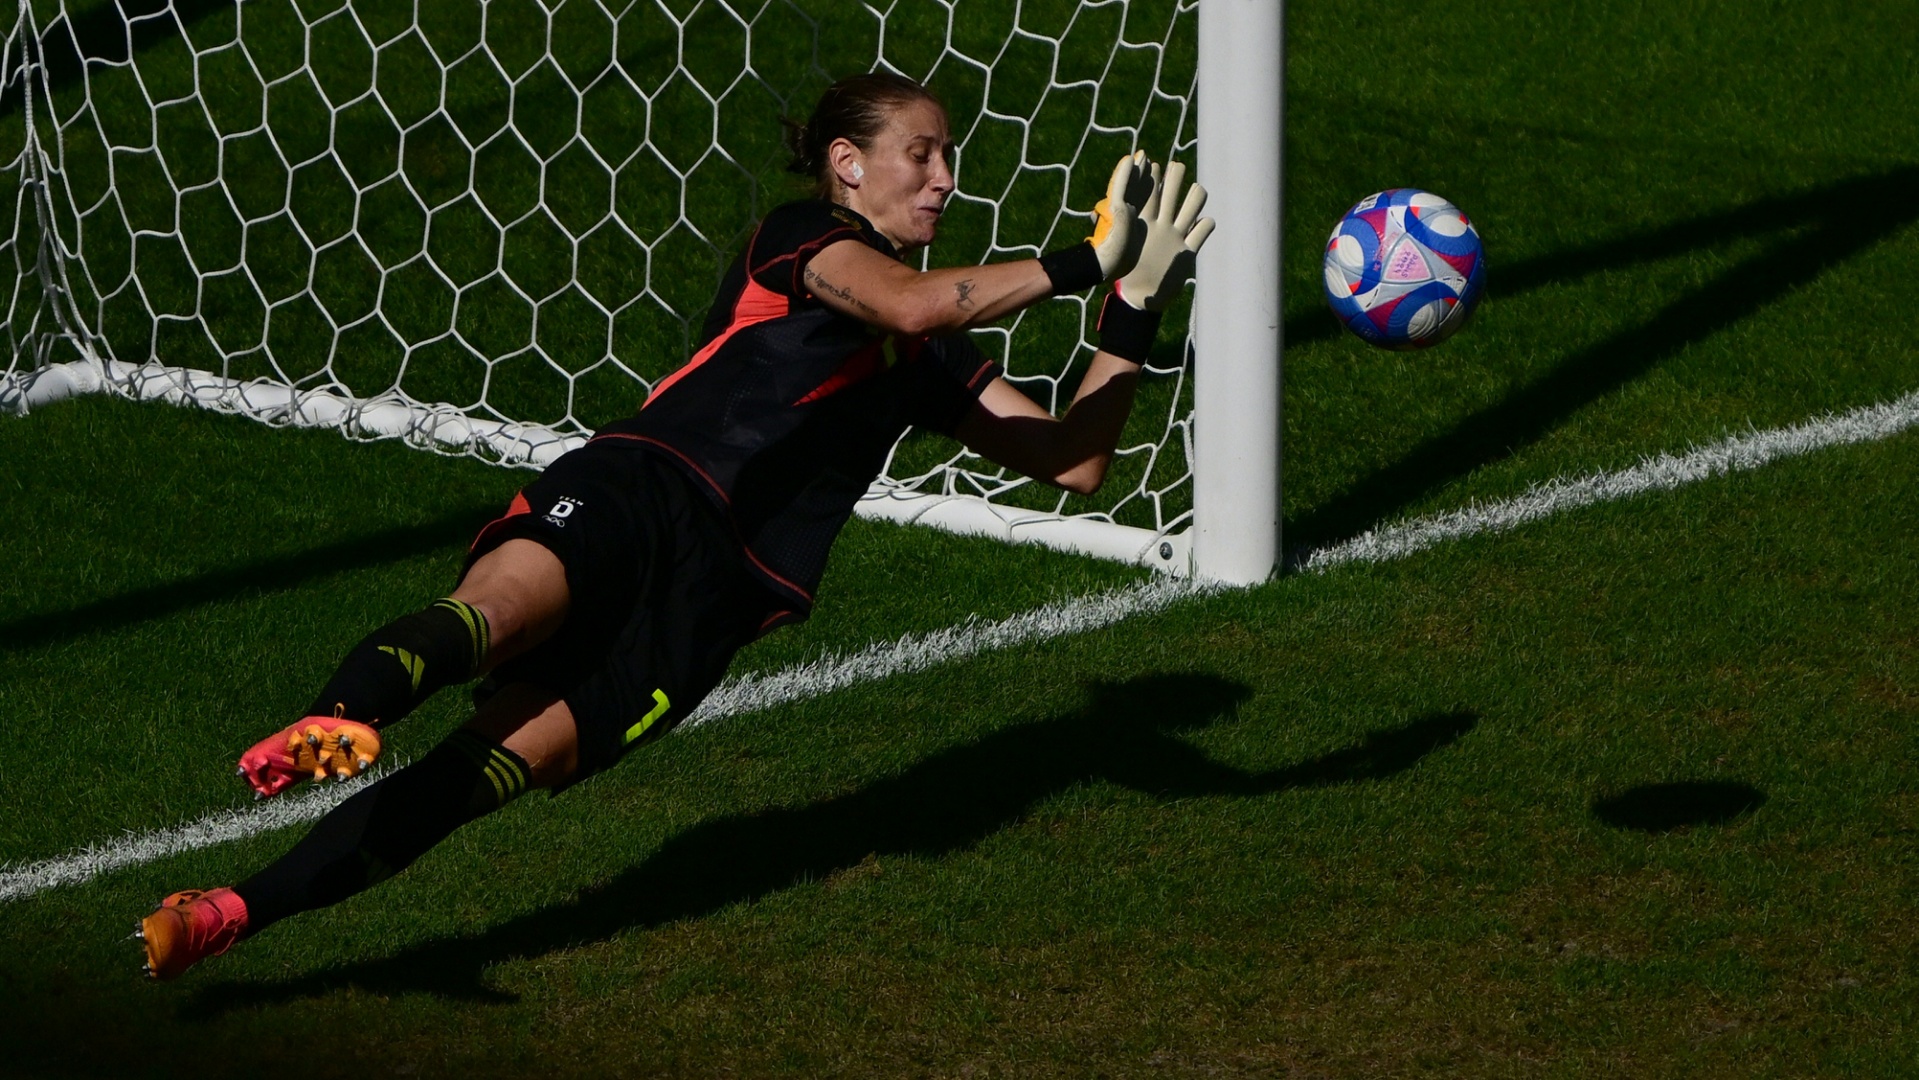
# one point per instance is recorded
(1832, 233)
(944, 804)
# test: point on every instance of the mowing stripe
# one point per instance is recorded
(1738, 453)
(920, 652)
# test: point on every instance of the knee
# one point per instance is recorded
(521, 588)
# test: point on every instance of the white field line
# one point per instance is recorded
(18, 883)
(920, 652)
(1737, 453)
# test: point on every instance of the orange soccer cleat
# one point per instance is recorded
(190, 926)
(315, 748)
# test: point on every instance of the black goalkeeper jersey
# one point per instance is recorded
(787, 410)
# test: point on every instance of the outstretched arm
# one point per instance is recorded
(1073, 451)
(1070, 451)
(885, 293)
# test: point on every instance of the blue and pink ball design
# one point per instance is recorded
(1404, 269)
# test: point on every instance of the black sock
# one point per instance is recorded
(402, 663)
(380, 831)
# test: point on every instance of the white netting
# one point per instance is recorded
(488, 228)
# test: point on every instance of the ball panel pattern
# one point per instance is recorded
(1403, 269)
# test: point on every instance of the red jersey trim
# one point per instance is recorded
(973, 382)
(863, 364)
(757, 304)
(808, 249)
(777, 620)
(514, 509)
(768, 571)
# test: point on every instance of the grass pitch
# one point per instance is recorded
(1626, 792)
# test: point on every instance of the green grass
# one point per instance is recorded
(1353, 822)
(1630, 791)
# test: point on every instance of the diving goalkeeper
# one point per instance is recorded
(610, 597)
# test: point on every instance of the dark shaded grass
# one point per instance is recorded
(941, 806)
(1679, 804)
(1364, 823)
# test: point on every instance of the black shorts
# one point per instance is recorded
(661, 594)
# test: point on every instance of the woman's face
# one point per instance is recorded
(901, 182)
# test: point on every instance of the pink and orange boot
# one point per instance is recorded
(315, 748)
(190, 926)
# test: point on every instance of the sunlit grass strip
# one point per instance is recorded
(1738, 453)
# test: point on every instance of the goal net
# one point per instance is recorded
(489, 229)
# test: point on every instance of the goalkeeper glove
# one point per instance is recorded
(1170, 246)
(1166, 257)
(1117, 235)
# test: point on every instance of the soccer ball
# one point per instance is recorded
(1404, 268)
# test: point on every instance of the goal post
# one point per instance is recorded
(1238, 328)
(489, 229)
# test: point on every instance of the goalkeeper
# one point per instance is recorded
(609, 599)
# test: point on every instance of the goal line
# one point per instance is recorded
(449, 430)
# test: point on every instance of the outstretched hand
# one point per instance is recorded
(1170, 244)
(1117, 232)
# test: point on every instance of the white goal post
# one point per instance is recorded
(487, 229)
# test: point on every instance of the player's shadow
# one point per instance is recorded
(1819, 229)
(1127, 735)
(268, 575)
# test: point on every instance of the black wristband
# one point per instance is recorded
(1126, 331)
(1073, 269)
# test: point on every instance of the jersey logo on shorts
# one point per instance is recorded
(562, 510)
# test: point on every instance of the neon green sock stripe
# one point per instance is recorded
(475, 748)
(479, 632)
(515, 770)
(415, 666)
(660, 705)
(499, 787)
(508, 776)
(507, 772)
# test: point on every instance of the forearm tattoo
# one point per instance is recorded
(965, 290)
(820, 284)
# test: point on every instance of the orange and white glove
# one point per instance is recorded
(1117, 233)
(1170, 245)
